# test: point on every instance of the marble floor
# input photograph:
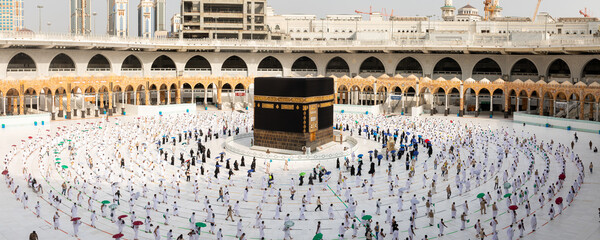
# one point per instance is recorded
(95, 137)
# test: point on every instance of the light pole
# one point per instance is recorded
(94, 21)
(49, 24)
(40, 18)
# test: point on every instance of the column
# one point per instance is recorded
(506, 104)
(567, 109)
(582, 108)
(38, 102)
(21, 100)
(147, 97)
(3, 106)
(403, 102)
(158, 98)
(461, 112)
(168, 97)
(517, 105)
(432, 104)
(110, 104)
(82, 110)
(60, 105)
(69, 105)
(541, 104)
(193, 97)
(551, 110)
(219, 102)
(477, 105)
(205, 96)
(52, 105)
(178, 92)
(491, 104)
(446, 110)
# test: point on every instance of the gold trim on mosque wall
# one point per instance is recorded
(293, 99)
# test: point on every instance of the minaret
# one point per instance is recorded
(448, 11)
(498, 12)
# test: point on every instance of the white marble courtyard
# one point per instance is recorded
(101, 142)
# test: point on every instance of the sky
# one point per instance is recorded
(56, 12)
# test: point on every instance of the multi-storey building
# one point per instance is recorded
(146, 18)
(118, 18)
(80, 17)
(11, 15)
(241, 19)
(175, 24)
(161, 15)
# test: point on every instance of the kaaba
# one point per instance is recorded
(293, 113)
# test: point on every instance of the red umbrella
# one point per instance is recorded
(30, 137)
(118, 235)
(137, 223)
(558, 200)
(562, 176)
(75, 219)
(4, 172)
(513, 207)
(122, 216)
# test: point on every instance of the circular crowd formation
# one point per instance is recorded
(169, 177)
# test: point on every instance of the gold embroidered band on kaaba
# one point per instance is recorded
(293, 99)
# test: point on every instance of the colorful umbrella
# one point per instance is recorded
(481, 195)
(507, 195)
(64, 166)
(360, 155)
(318, 236)
(513, 207)
(302, 173)
(367, 217)
(75, 219)
(4, 172)
(137, 223)
(122, 216)
(562, 176)
(113, 206)
(507, 185)
(200, 224)
(105, 202)
(558, 200)
(118, 235)
(288, 224)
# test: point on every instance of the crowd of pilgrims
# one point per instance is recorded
(163, 171)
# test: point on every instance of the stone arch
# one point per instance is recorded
(559, 69)
(234, 63)
(304, 65)
(447, 68)
(163, 63)
(98, 63)
(21, 62)
(131, 63)
(342, 94)
(337, 66)
(270, 63)
(524, 68)
(371, 66)
(409, 65)
(591, 71)
(198, 63)
(62, 63)
(487, 68)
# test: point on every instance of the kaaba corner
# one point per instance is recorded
(293, 113)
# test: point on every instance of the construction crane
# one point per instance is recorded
(370, 13)
(585, 13)
(490, 8)
(536, 9)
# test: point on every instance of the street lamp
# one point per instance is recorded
(40, 18)
(94, 21)
(49, 24)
